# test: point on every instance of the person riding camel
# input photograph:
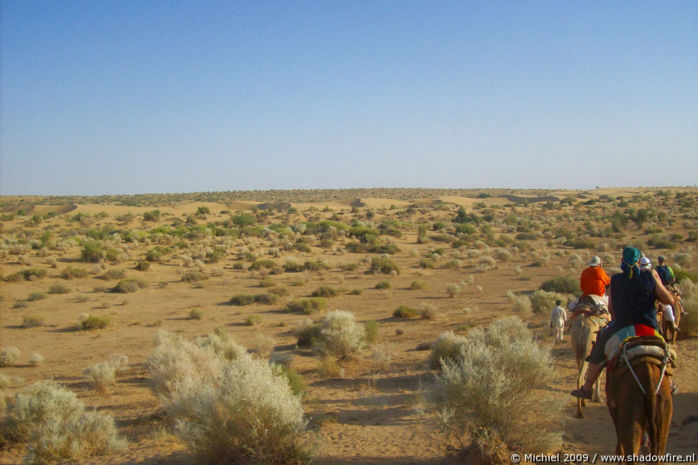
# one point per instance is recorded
(666, 274)
(632, 295)
(593, 282)
(594, 279)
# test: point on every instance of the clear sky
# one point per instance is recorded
(128, 97)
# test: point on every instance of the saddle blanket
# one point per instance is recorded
(613, 344)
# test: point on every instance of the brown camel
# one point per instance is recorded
(583, 328)
(635, 412)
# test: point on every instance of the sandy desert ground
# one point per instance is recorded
(365, 414)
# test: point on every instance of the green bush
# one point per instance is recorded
(32, 321)
(92, 252)
(326, 291)
(94, 322)
(404, 311)
(58, 288)
(306, 306)
(383, 285)
(384, 265)
(153, 215)
(129, 285)
(371, 327)
(72, 272)
(28, 274)
(562, 284)
(265, 298)
(241, 300)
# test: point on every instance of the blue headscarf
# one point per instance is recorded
(630, 257)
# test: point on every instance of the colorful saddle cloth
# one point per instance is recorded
(613, 345)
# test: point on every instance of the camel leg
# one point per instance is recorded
(580, 383)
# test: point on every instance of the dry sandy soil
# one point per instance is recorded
(367, 414)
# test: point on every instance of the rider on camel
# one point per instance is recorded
(632, 295)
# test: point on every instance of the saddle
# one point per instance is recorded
(635, 342)
(589, 305)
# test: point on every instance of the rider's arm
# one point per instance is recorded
(660, 291)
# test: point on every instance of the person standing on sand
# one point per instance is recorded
(557, 320)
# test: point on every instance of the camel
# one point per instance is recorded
(583, 328)
(638, 403)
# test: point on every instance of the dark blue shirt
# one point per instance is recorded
(633, 299)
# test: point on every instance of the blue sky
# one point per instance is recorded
(119, 97)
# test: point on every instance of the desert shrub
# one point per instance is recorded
(252, 320)
(383, 285)
(543, 302)
(371, 327)
(265, 298)
(689, 321)
(326, 291)
(496, 390)
(428, 311)
(683, 259)
(118, 361)
(73, 272)
(426, 263)
(503, 255)
(340, 335)
(445, 349)
(8, 356)
(561, 284)
(94, 322)
(486, 263)
(307, 333)
(58, 288)
(36, 359)
(384, 265)
(57, 425)
(32, 321)
(143, 265)
(293, 266)
(129, 285)
(92, 252)
(222, 344)
(175, 360)
(417, 285)
(153, 215)
(113, 274)
(28, 274)
(580, 243)
(683, 275)
(241, 300)
(101, 375)
(267, 282)
(279, 291)
(405, 311)
(193, 276)
(34, 296)
(196, 314)
(295, 380)
(245, 414)
(306, 306)
(156, 253)
(659, 242)
(520, 303)
(453, 290)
